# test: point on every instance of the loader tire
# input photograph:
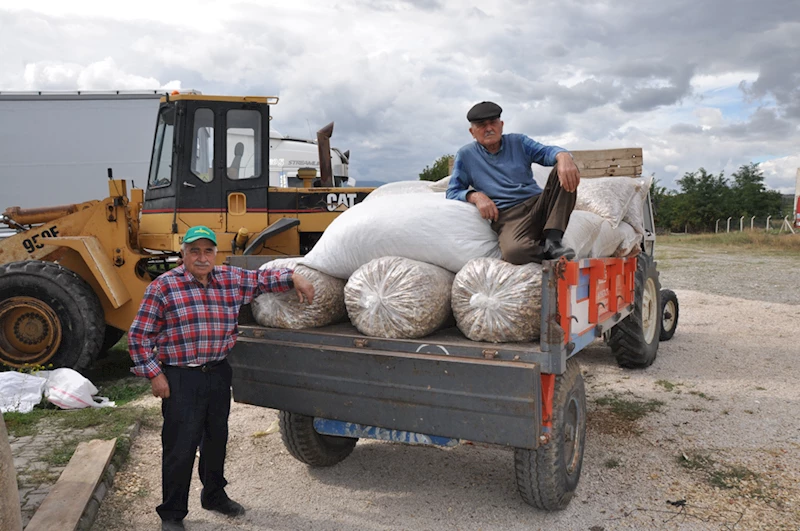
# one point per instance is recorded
(669, 314)
(111, 337)
(634, 340)
(48, 315)
(310, 447)
(548, 476)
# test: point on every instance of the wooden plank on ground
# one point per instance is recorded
(64, 505)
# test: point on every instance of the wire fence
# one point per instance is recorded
(770, 223)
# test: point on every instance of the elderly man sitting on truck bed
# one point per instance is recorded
(529, 222)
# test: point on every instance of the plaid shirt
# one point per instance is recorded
(192, 324)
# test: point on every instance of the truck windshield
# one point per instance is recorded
(161, 160)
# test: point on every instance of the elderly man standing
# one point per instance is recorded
(185, 328)
(529, 221)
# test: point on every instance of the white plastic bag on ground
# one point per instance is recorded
(396, 297)
(283, 310)
(400, 188)
(630, 239)
(69, 389)
(608, 197)
(497, 301)
(581, 232)
(635, 214)
(20, 392)
(423, 227)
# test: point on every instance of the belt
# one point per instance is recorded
(206, 367)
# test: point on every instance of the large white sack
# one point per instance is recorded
(581, 232)
(283, 310)
(423, 227)
(442, 184)
(497, 301)
(630, 240)
(608, 197)
(606, 241)
(396, 297)
(20, 392)
(400, 188)
(69, 389)
(635, 214)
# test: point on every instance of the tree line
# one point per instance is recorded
(701, 200)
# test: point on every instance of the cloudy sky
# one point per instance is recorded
(711, 83)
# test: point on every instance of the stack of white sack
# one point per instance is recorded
(400, 188)
(284, 310)
(420, 226)
(395, 297)
(497, 301)
(592, 236)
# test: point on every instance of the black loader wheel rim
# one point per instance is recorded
(572, 436)
(30, 331)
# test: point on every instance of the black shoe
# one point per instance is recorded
(228, 507)
(172, 525)
(554, 249)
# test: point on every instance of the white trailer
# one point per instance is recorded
(56, 147)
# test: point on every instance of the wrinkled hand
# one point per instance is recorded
(568, 173)
(486, 206)
(160, 386)
(304, 288)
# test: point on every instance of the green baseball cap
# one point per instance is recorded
(198, 233)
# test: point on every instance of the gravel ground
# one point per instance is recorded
(719, 430)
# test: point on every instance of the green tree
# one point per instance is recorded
(706, 198)
(750, 196)
(440, 169)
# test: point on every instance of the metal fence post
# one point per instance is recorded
(751, 222)
(716, 227)
(741, 224)
(768, 218)
(729, 223)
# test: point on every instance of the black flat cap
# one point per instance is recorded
(485, 110)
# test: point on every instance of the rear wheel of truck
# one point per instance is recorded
(310, 447)
(548, 476)
(48, 315)
(669, 314)
(634, 340)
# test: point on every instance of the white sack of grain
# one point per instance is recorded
(396, 297)
(442, 184)
(283, 310)
(423, 227)
(630, 240)
(497, 301)
(581, 232)
(400, 188)
(635, 214)
(608, 197)
(606, 241)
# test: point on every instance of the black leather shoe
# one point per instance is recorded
(172, 525)
(228, 507)
(554, 249)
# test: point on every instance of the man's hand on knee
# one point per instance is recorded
(568, 173)
(160, 386)
(486, 206)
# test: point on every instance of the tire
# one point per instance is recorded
(548, 476)
(669, 314)
(634, 340)
(111, 337)
(48, 315)
(310, 447)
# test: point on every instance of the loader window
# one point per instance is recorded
(203, 142)
(243, 144)
(161, 161)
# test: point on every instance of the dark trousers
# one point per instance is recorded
(520, 229)
(195, 414)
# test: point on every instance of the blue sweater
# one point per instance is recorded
(506, 177)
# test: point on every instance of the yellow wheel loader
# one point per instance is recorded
(72, 276)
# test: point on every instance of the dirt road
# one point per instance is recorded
(713, 422)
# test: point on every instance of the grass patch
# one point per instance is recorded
(611, 463)
(746, 241)
(702, 395)
(629, 410)
(719, 475)
(669, 386)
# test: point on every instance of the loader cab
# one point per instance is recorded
(209, 166)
